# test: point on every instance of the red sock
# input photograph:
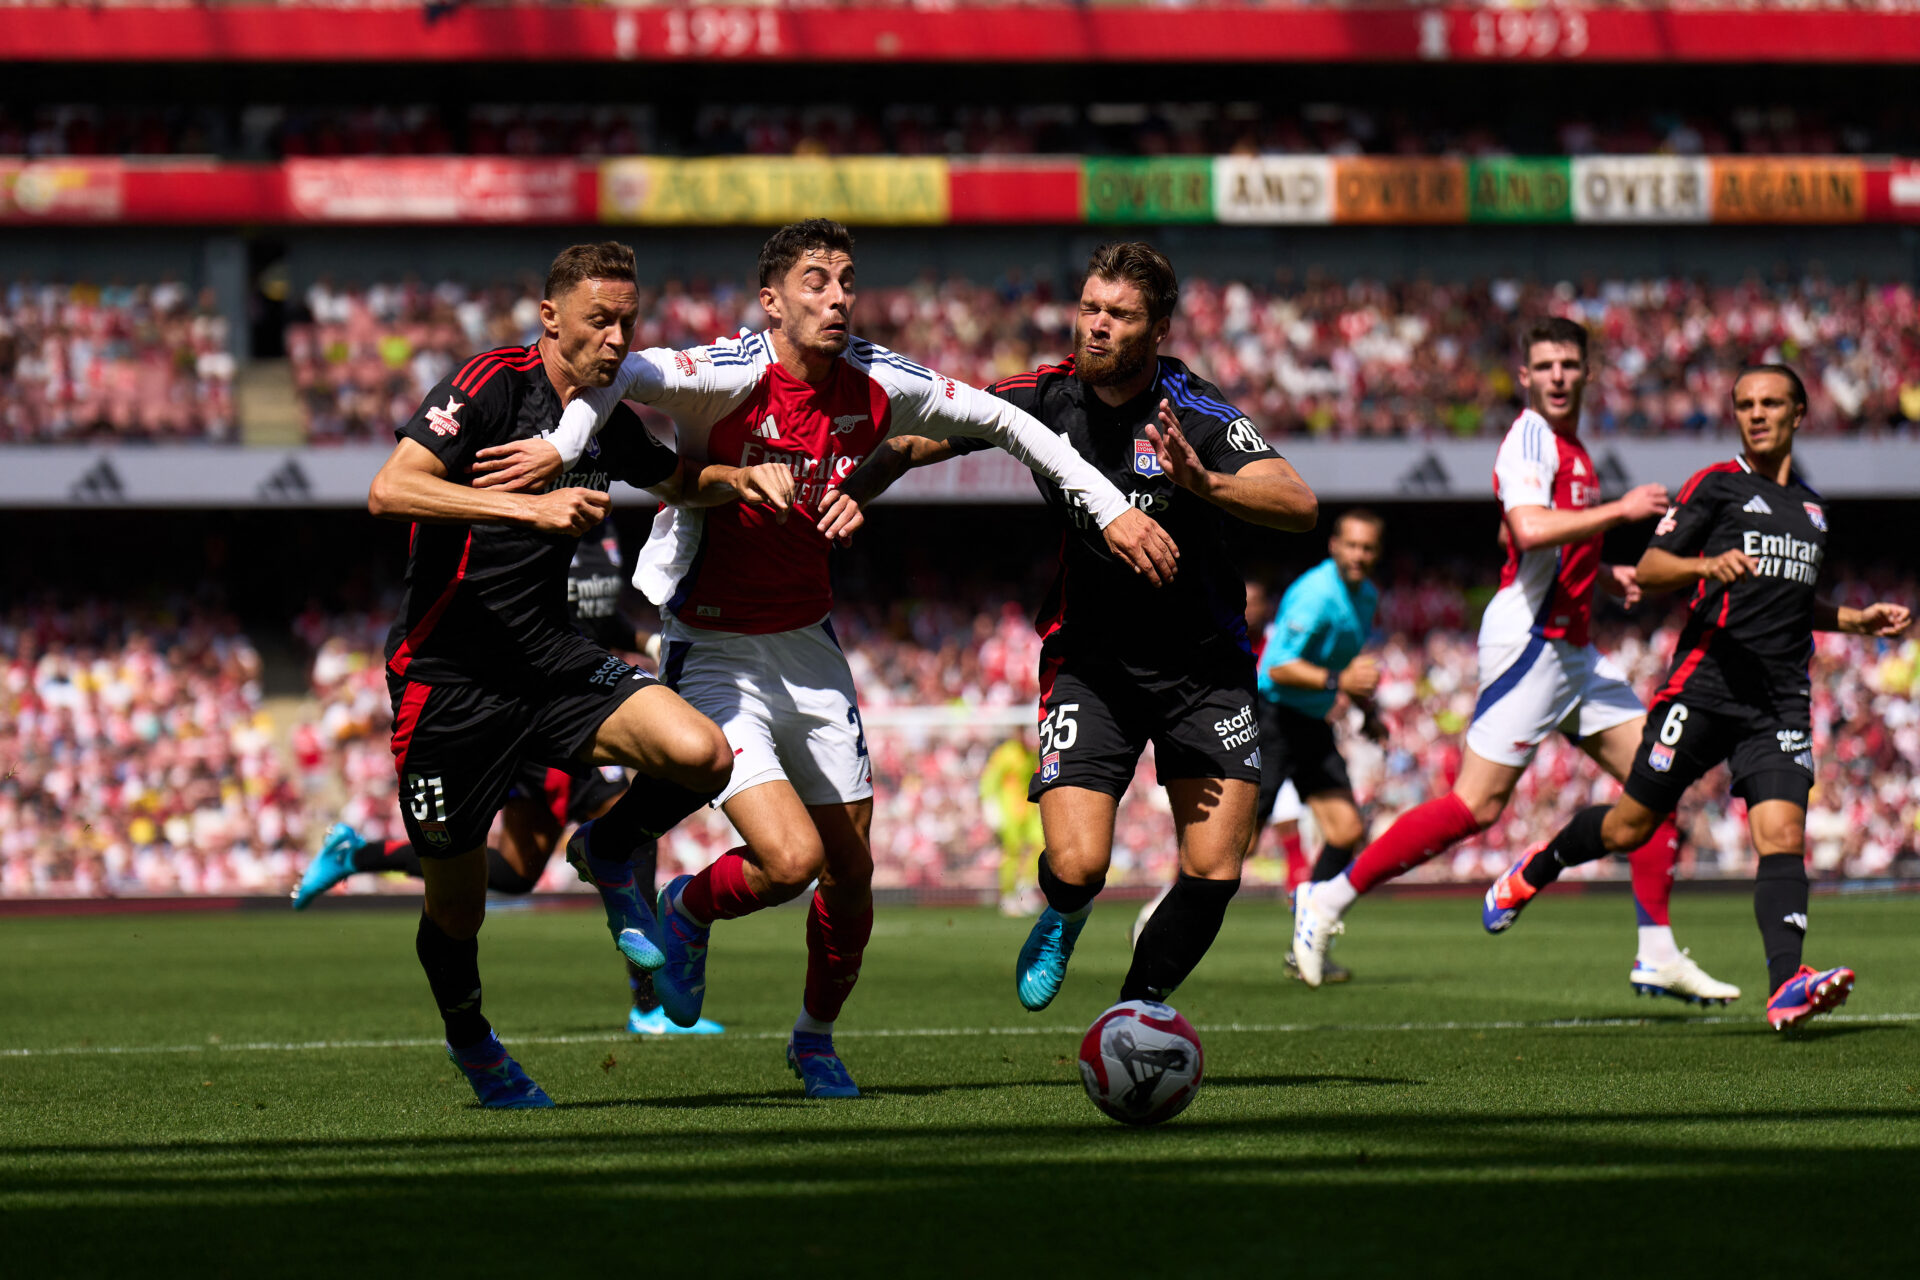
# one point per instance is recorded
(1420, 833)
(720, 892)
(1652, 866)
(1298, 868)
(836, 941)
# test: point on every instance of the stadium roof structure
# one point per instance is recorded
(1547, 34)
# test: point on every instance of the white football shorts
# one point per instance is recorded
(785, 702)
(1286, 804)
(1530, 689)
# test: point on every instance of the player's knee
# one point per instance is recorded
(1779, 837)
(458, 920)
(793, 864)
(1622, 832)
(1342, 828)
(1486, 809)
(698, 756)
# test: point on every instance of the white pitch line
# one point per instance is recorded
(1244, 1028)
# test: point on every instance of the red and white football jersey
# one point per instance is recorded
(733, 567)
(1548, 591)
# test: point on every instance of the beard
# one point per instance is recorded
(1122, 364)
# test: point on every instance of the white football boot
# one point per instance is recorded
(1682, 979)
(1313, 934)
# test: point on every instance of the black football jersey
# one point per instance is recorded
(1097, 602)
(595, 580)
(1746, 644)
(487, 603)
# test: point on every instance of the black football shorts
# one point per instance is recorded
(458, 749)
(1097, 716)
(1299, 748)
(1770, 756)
(572, 794)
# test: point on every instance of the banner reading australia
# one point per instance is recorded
(763, 190)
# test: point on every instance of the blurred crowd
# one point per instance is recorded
(137, 756)
(144, 361)
(265, 132)
(1308, 355)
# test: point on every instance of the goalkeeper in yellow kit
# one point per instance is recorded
(1014, 819)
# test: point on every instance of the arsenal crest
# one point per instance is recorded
(1815, 514)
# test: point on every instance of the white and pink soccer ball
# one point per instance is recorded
(1141, 1062)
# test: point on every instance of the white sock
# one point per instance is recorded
(1657, 945)
(1334, 896)
(811, 1025)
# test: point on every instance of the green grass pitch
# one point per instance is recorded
(1348, 1131)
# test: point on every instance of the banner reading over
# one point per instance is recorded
(1640, 189)
(763, 190)
(1393, 190)
(1174, 189)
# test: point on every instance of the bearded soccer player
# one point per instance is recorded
(1538, 671)
(484, 666)
(1124, 664)
(746, 597)
(1747, 537)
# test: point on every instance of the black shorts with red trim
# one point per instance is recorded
(458, 748)
(1769, 754)
(1098, 715)
(571, 795)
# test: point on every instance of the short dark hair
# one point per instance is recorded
(1793, 379)
(1361, 514)
(608, 260)
(797, 239)
(1144, 267)
(1552, 329)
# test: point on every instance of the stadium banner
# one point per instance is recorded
(1015, 190)
(1893, 191)
(1395, 189)
(1520, 190)
(768, 190)
(213, 476)
(1775, 189)
(1640, 189)
(58, 191)
(1054, 32)
(1157, 189)
(434, 189)
(1273, 189)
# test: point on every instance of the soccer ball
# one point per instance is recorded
(1141, 1062)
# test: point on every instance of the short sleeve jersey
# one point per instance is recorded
(1548, 591)
(487, 603)
(1746, 644)
(1323, 621)
(1097, 602)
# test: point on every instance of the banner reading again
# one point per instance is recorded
(1788, 189)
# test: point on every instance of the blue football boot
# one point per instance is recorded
(497, 1079)
(1042, 967)
(330, 866)
(812, 1059)
(628, 918)
(653, 1022)
(681, 983)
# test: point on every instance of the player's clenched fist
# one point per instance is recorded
(1644, 502)
(1361, 679)
(840, 515)
(1139, 540)
(1728, 566)
(568, 511)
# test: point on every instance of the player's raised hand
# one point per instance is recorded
(768, 482)
(1177, 458)
(1361, 679)
(1138, 539)
(1728, 566)
(569, 511)
(522, 466)
(1644, 502)
(840, 515)
(1622, 580)
(1883, 619)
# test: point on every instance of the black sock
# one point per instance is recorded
(646, 867)
(1332, 861)
(650, 808)
(1181, 930)
(453, 971)
(1063, 897)
(1780, 907)
(502, 878)
(640, 984)
(1578, 842)
(388, 855)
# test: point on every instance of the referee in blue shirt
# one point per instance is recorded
(1312, 655)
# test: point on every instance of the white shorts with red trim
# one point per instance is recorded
(1530, 689)
(786, 703)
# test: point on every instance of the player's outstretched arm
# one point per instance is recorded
(1878, 619)
(1534, 528)
(1267, 492)
(1660, 570)
(844, 508)
(412, 485)
(1621, 581)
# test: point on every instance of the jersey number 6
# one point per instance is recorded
(1671, 727)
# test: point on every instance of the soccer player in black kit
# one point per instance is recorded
(1124, 662)
(485, 669)
(1748, 536)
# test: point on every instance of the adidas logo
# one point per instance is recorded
(1757, 505)
(1429, 475)
(101, 483)
(1798, 919)
(1252, 761)
(766, 430)
(288, 484)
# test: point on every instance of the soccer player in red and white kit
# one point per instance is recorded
(1749, 537)
(1538, 671)
(745, 596)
